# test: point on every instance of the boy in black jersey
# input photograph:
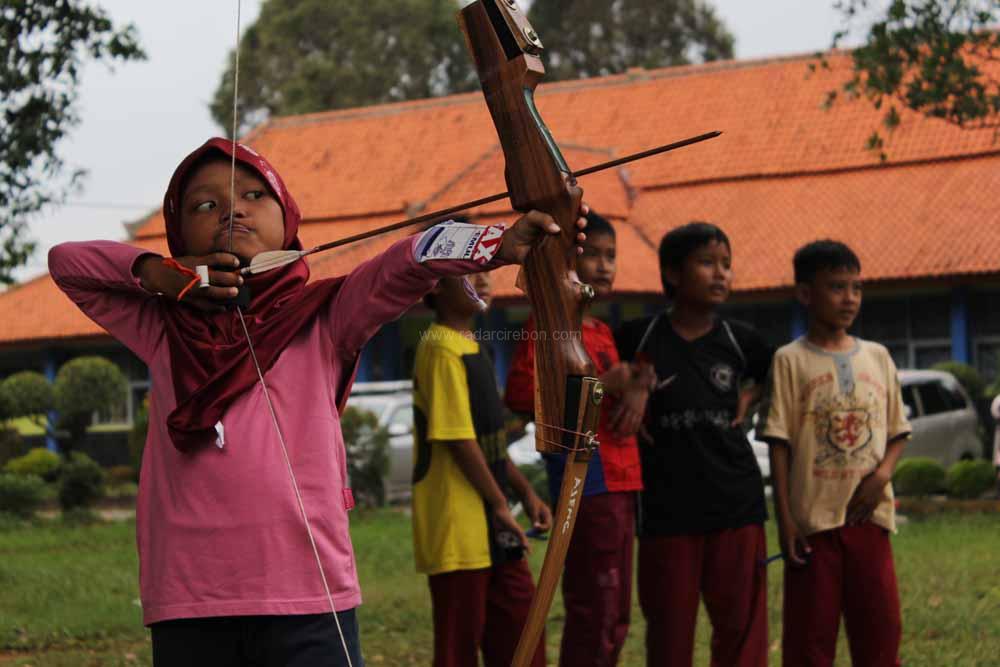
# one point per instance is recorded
(702, 512)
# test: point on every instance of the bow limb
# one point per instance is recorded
(567, 395)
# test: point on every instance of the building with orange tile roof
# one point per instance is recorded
(785, 171)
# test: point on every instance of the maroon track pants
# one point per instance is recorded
(725, 569)
(482, 609)
(850, 572)
(597, 581)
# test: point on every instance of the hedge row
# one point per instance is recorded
(923, 477)
(22, 483)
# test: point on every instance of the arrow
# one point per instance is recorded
(275, 259)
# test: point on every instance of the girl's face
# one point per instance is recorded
(258, 221)
(706, 276)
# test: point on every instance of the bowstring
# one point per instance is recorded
(256, 363)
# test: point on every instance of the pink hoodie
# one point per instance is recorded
(219, 532)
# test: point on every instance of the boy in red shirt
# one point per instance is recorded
(597, 582)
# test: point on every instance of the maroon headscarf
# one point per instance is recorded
(211, 362)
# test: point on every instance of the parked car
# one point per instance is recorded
(944, 420)
(392, 404)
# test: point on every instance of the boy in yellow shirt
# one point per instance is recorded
(465, 538)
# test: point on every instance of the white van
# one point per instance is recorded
(945, 423)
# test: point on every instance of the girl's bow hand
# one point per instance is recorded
(531, 228)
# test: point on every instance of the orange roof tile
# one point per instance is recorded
(918, 221)
(38, 311)
(784, 171)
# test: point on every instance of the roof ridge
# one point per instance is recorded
(630, 76)
(918, 162)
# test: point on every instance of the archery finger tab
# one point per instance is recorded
(202, 271)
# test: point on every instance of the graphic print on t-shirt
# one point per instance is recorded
(846, 413)
(844, 430)
(722, 376)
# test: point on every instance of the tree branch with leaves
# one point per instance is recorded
(303, 56)
(938, 58)
(586, 38)
(45, 44)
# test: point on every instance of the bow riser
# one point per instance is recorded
(537, 178)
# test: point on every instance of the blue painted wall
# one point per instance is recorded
(50, 375)
(800, 322)
(960, 326)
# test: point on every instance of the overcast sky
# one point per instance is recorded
(139, 121)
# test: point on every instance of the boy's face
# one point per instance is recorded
(705, 277)
(258, 221)
(451, 300)
(833, 299)
(596, 266)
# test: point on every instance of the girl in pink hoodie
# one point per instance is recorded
(241, 520)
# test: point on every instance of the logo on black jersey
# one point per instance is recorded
(722, 376)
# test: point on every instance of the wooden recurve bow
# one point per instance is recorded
(567, 395)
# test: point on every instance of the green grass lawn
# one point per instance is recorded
(68, 595)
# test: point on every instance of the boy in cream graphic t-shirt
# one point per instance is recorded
(838, 411)
(835, 422)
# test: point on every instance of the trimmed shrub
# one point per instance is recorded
(27, 393)
(367, 446)
(970, 479)
(21, 495)
(918, 476)
(11, 445)
(121, 475)
(967, 376)
(39, 462)
(80, 516)
(127, 490)
(83, 386)
(81, 482)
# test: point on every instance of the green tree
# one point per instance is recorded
(302, 56)
(935, 57)
(585, 38)
(84, 386)
(44, 44)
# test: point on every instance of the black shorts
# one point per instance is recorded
(260, 641)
